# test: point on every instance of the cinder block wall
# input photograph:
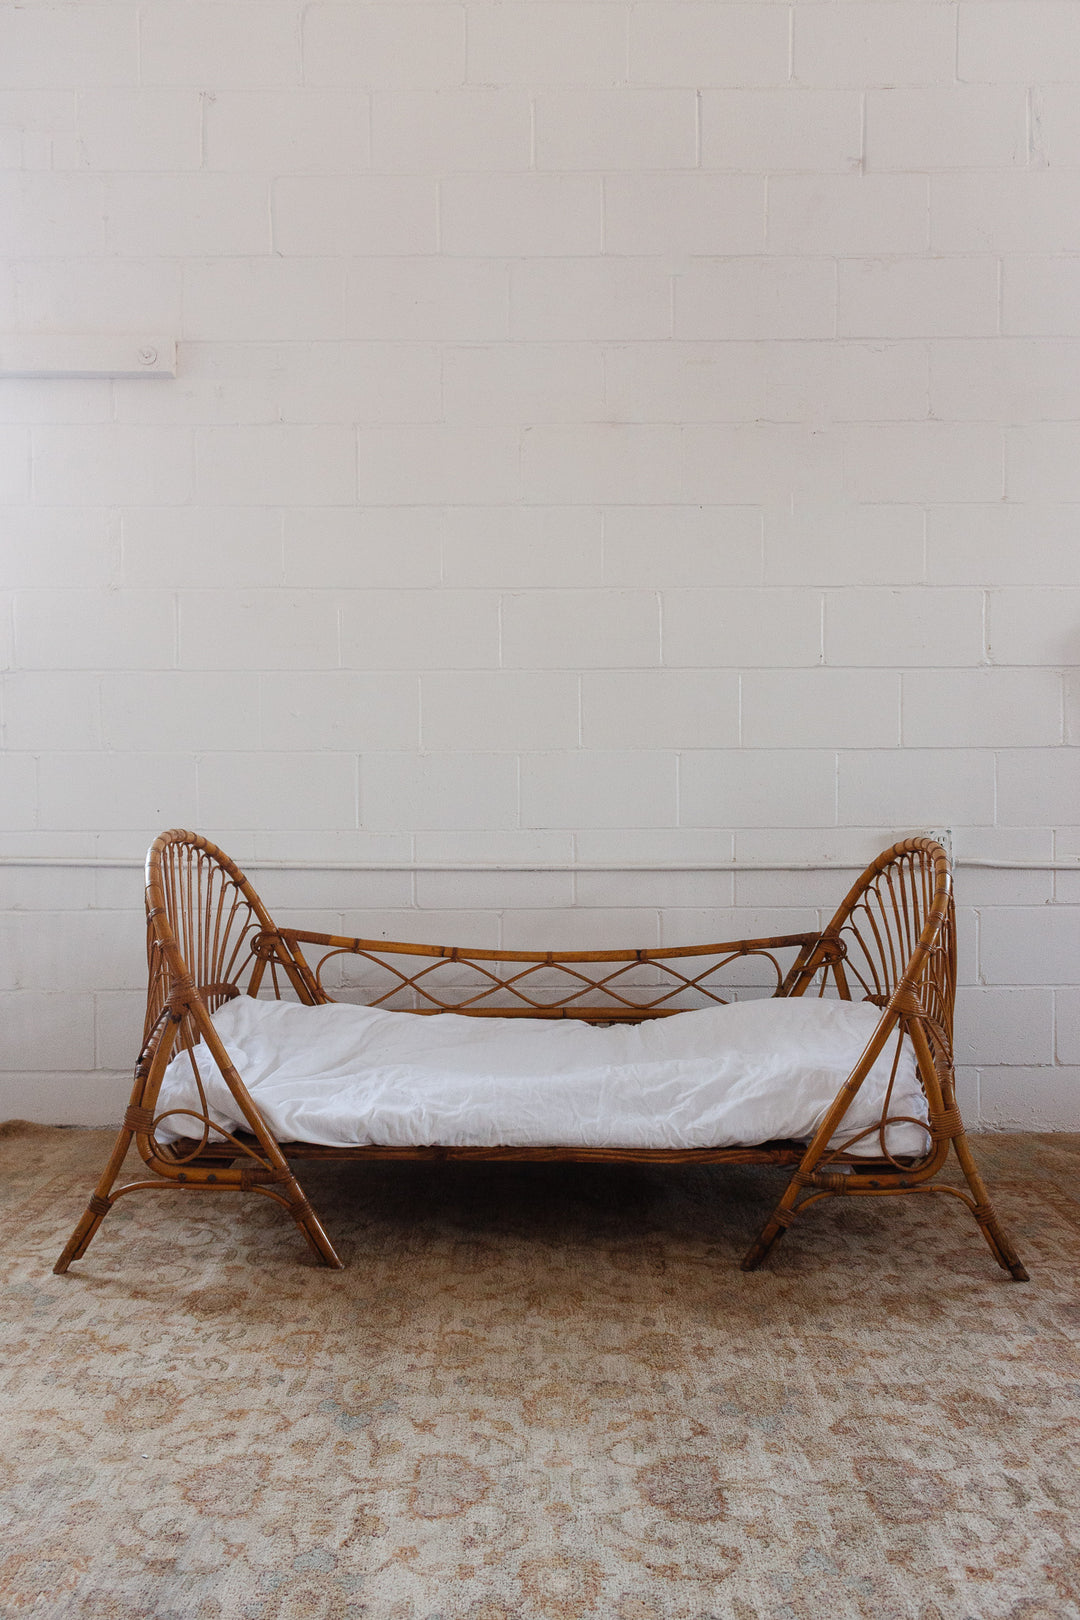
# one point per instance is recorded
(604, 433)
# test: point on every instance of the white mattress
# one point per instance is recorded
(742, 1074)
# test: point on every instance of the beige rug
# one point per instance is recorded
(539, 1393)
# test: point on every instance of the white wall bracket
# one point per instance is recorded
(69, 355)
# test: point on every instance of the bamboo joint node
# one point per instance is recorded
(831, 1181)
(259, 1177)
(946, 1125)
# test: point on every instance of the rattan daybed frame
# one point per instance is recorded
(210, 938)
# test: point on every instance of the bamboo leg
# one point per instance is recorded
(308, 1222)
(98, 1207)
(786, 1210)
(100, 1204)
(950, 1122)
(774, 1228)
(302, 1212)
(986, 1215)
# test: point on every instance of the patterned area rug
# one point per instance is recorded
(538, 1393)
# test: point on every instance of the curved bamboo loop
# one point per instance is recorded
(210, 938)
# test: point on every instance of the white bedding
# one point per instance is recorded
(742, 1074)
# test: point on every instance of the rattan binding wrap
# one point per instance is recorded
(209, 938)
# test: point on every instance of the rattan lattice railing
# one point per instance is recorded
(584, 984)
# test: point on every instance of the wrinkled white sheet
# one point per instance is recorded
(742, 1074)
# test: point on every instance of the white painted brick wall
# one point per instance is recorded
(919, 297)
(603, 432)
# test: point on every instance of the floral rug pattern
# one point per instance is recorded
(539, 1392)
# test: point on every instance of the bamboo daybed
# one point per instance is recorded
(210, 939)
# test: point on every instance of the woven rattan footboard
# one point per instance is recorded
(210, 938)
